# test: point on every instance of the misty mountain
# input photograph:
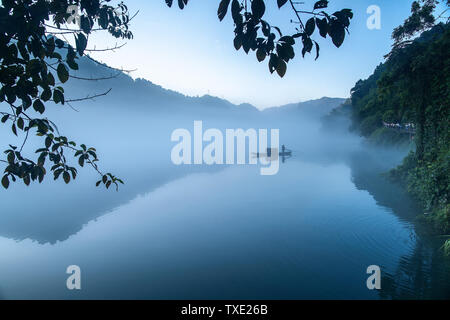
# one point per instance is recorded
(313, 108)
(145, 95)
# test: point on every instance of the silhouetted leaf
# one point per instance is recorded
(20, 123)
(310, 26)
(26, 180)
(236, 12)
(321, 4)
(48, 142)
(5, 182)
(237, 42)
(66, 177)
(307, 46)
(322, 24)
(278, 30)
(317, 50)
(81, 43)
(63, 74)
(337, 34)
(273, 62)
(223, 8)
(281, 3)
(281, 68)
(258, 9)
(182, 3)
(260, 55)
(81, 161)
(46, 95)
(58, 96)
(38, 106)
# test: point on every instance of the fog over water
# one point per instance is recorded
(217, 231)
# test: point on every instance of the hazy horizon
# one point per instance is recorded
(199, 48)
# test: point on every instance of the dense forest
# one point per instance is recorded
(406, 101)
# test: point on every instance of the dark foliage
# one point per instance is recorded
(253, 33)
(34, 65)
(414, 86)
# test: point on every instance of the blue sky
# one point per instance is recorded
(191, 51)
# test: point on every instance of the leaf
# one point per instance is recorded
(307, 46)
(85, 25)
(5, 182)
(46, 94)
(81, 161)
(310, 26)
(281, 3)
(321, 4)
(237, 42)
(66, 177)
(81, 43)
(317, 50)
(72, 64)
(281, 68)
(50, 79)
(258, 9)
(26, 180)
(265, 28)
(279, 31)
(13, 128)
(48, 142)
(38, 106)
(63, 74)
(11, 157)
(236, 12)
(223, 8)
(273, 62)
(58, 96)
(337, 33)
(322, 24)
(20, 123)
(260, 55)
(5, 118)
(169, 3)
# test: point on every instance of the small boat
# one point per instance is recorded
(286, 154)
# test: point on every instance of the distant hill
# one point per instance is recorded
(146, 95)
(315, 108)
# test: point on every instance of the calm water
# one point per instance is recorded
(223, 232)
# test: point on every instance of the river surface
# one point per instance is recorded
(309, 232)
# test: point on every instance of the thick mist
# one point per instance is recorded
(131, 129)
(221, 231)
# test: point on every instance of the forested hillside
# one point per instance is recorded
(408, 97)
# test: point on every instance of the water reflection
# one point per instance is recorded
(219, 232)
(424, 273)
